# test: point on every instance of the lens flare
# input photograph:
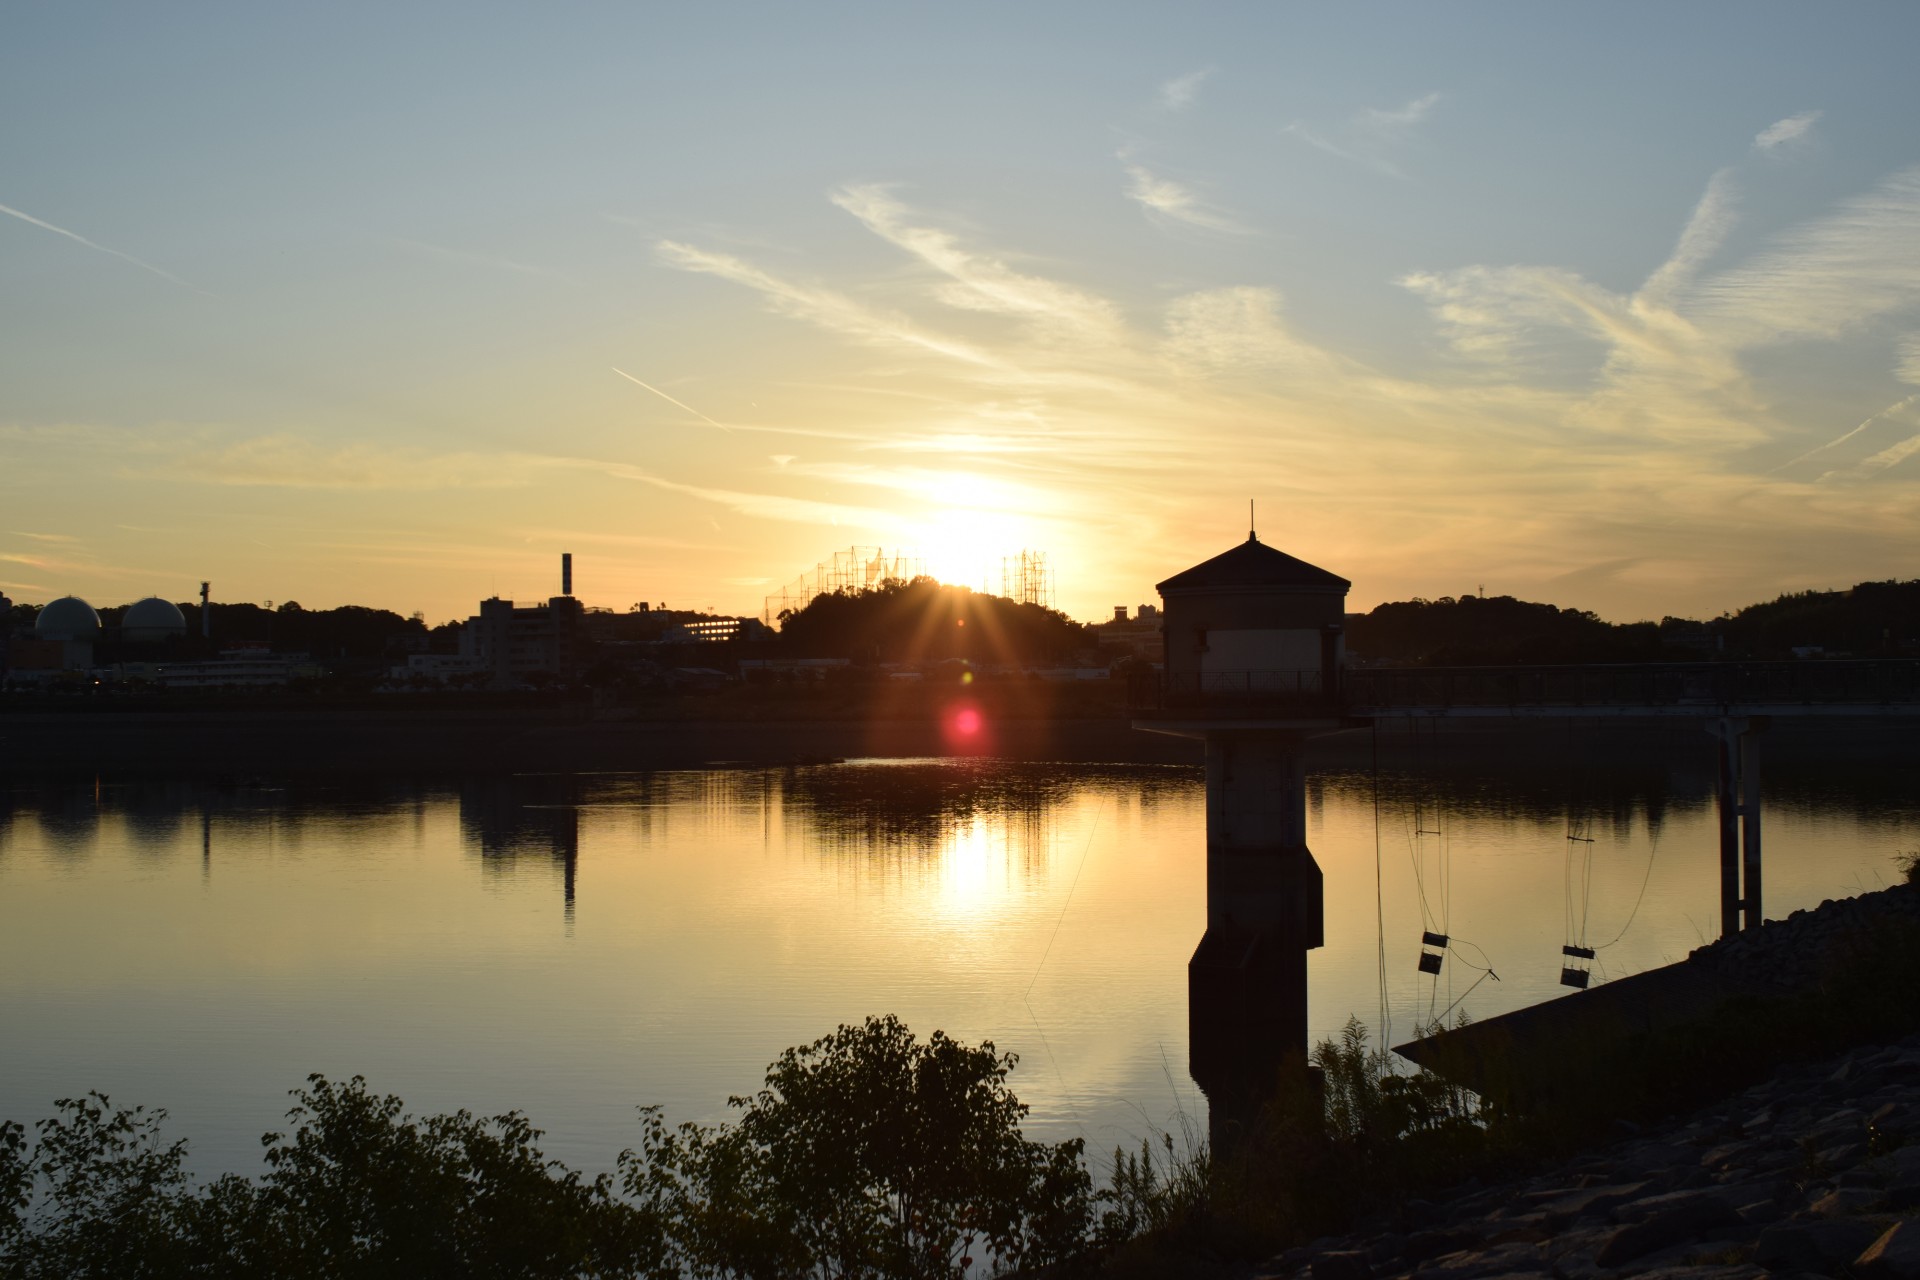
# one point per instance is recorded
(963, 727)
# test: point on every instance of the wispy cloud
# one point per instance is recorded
(292, 462)
(1706, 231)
(1826, 277)
(1665, 360)
(823, 307)
(1786, 133)
(1593, 429)
(1354, 155)
(1371, 137)
(979, 281)
(1394, 122)
(1169, 199)
(556, 536)
(1908, 355)
(765, 506)
(1891, 457)
(490, 261)
(1223, 330)
(1179, 93)
(77, 238)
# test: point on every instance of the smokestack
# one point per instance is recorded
(566, 573)
(206, 614)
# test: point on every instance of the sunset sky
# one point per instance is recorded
(1615, 307)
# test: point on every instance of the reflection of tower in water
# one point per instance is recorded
(535, 819)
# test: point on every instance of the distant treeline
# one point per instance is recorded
(928, 621)
(1870, 620)
(350, 631)
(925, 620)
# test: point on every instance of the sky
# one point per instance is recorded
(1616, 307)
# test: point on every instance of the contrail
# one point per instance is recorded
(1895, 407)
(126, 257)
(670, 400)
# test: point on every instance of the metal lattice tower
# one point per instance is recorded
(854, 569)
(1026, 579)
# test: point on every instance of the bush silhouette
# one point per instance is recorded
(868, 1153)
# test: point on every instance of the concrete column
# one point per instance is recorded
(1247, 981)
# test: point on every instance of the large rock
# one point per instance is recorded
(1844, 1202)
(1894, 1256)
(1343, 1264)
(1812, 1246)
(1501, 1260)
(1677, 1222)
(1594, 1201)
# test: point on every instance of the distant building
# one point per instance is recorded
(60, 646)
(69, 643)
(1138, 636)
(247, 667)
(791, 669)
(152, 621)
(436, 669)
(1684, 633)
(71, 623)
(716, 631)
(514, 643)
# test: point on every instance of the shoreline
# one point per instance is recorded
(314, 743)
(411, 741)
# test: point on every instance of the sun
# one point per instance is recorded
(973, 523)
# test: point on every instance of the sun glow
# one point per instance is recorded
(976, 881)
(976, 523)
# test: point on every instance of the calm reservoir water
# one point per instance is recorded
(577, 946)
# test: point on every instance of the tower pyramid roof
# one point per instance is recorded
(1254, 564)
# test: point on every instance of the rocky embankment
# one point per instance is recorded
(1816, 1171)
(1793, 953)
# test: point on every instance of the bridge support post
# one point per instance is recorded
(1750, 823)
(1737, 797)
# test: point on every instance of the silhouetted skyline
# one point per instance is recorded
(1609, 308)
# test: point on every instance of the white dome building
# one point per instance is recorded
(70, 618)
(152, 621)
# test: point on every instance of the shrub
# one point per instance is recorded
(868, 1153)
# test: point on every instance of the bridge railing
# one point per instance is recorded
(1679, 684)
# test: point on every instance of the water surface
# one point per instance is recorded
(577, 946)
